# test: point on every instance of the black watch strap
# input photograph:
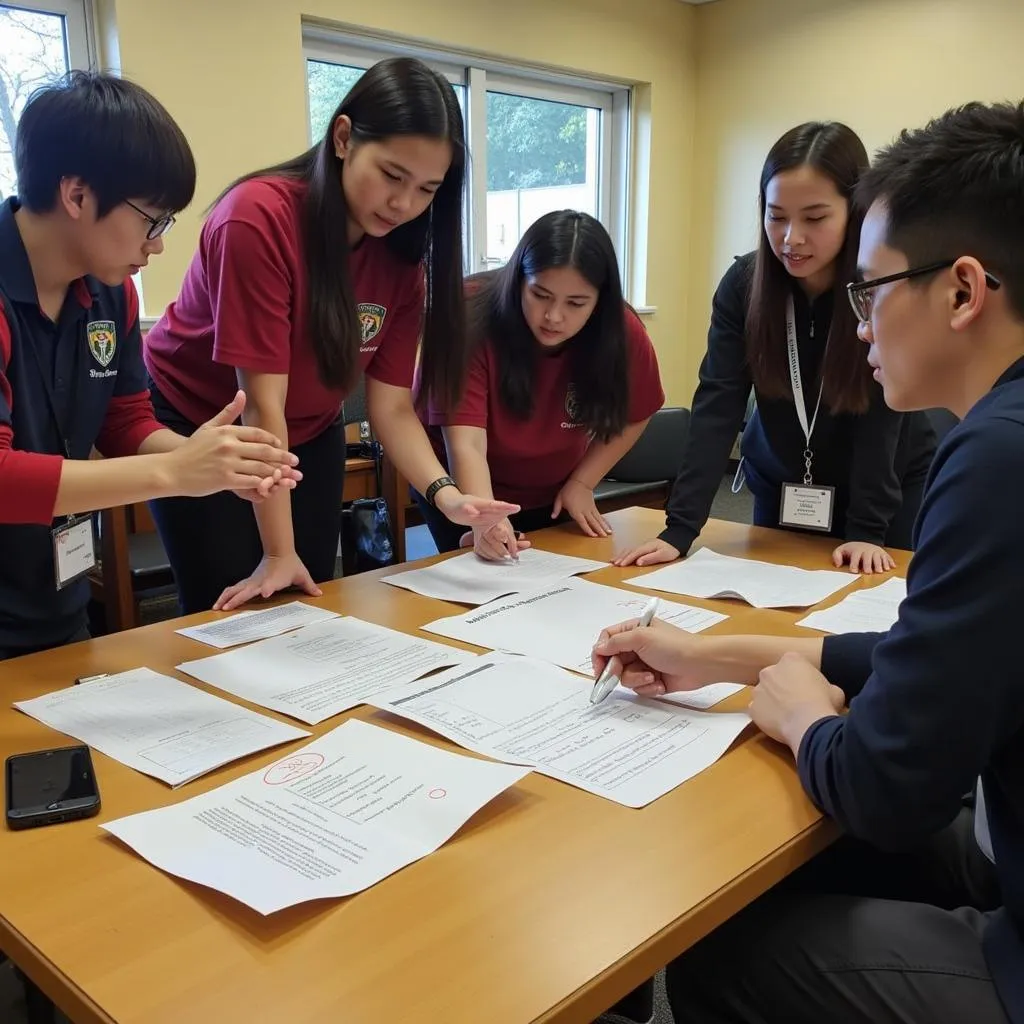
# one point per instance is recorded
(441, 481)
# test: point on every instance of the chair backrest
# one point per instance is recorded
(658, 452)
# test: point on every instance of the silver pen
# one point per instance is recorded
(607, 680)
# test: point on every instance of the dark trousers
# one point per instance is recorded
(447, 534)
(16, 652)
(856, 937)
(214, 542)
(768, 499)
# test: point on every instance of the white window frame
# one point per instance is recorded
(479, 74)
(78, 27)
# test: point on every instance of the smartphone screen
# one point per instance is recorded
(46, 783)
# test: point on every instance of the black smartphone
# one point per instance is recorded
(48, 786)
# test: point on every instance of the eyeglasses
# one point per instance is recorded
(862, 293)
(157, 225)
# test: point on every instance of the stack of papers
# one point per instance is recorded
(335, 817)
(626, 749)
(245, 627)
(707, 574)
(468, 579)
(561, 623)
(324, 669)
(158, 725)
(873, 610)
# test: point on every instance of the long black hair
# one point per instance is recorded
(600, 363)
(837, 152)
(397, 96)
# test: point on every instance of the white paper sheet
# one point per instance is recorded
(626, 749)
(467, 579)
(708, 574)
(562, 622)
(325, 669)
(335, 817)
(702, 699)
(872, 610)
(245, 627)
(158, 725)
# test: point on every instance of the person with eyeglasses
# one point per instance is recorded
(101, 169)
(308, 274)
(916, 914)
(821, 452)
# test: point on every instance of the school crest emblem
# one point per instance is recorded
(371, 320)
(572, 405)
(102, 338)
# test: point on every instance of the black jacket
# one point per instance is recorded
(864, 457)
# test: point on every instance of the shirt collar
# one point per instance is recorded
(16, 278)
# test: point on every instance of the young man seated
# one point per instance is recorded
(101, 169)
(917, 914)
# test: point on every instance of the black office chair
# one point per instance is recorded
(651, 465)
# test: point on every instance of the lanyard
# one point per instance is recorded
(51, 402)
(798, 388)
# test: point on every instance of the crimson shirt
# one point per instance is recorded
(530, 460)
(243, 305)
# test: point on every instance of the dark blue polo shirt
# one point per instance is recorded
(938, 701)
(90, 364)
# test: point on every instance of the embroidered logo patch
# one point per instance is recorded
(102, 338)
(371, 320)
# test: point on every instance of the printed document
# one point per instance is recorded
(561, 623)
(245, 627)
(708, 574)
(337, 816)
(325, 669)
(468, 579)
(872, 610)
(158, 725)
(626, 749)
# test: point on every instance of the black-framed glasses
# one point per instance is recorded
(157, 225)
(862, 293)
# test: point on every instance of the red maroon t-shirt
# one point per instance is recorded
(243, 305)
(530, 460)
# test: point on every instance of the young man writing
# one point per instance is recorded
(918, 915)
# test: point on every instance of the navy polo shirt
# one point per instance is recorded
(65, 388)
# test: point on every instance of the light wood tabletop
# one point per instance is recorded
(549, 905)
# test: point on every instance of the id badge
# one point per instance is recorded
(73, 551)
(807, 507)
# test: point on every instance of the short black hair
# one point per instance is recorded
(109, 132)
(956, 188)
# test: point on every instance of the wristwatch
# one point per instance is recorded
(441, 481)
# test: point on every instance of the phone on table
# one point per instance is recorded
(45, 787)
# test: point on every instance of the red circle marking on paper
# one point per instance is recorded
(292, 768)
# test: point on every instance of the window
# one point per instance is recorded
(39, 42)
(538, 142)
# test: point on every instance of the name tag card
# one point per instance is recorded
(73, 551)
(807, 507)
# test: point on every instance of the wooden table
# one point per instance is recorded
(548, 905)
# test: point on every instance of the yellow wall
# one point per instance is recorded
(878, 65)
(231, 72)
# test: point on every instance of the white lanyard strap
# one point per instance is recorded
(798, 386)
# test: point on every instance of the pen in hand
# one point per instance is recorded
(607, 680)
